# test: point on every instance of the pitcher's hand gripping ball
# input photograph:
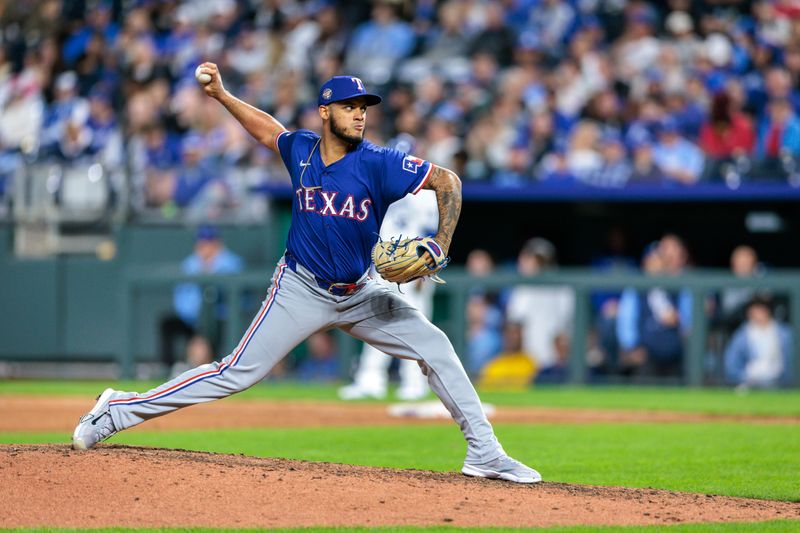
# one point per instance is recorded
(403, 260)
(202, 77)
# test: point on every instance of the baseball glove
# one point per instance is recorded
(401, 260)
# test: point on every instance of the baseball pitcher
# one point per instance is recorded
(343, 187)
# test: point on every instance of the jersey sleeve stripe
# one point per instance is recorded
(424, 179)
(278, 136)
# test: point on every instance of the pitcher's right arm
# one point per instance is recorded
(262, 126)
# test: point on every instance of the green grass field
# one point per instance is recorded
(735, 459)
(713, 401)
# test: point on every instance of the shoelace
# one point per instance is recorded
(509, 463)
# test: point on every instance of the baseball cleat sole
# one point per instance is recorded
(476, 471)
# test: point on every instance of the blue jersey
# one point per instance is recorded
(337, 213)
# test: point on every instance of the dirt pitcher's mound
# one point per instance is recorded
(127, 486)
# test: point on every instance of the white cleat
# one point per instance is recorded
(355, 392)
(96, 425)
(505, 468)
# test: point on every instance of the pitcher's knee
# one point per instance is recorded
(423, 367)
(436, 347)
(239, 378)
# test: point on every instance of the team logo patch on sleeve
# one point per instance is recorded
(412, 164)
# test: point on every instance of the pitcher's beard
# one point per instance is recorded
(339, 132)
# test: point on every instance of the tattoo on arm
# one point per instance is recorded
(448, 197)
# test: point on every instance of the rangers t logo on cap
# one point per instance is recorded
(341, 88)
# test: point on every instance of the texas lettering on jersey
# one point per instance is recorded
(325, 203)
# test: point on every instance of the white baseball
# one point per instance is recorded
(202, 77)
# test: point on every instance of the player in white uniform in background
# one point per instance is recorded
(413, 215)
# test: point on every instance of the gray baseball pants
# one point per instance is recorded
(295, 308)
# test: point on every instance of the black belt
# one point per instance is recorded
(337, 289)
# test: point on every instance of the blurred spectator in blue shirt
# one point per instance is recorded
(651, 324)
(443, 50)
(67, 107)
(484, 314)
(553, 21)
(604, 351)
(678, 160)
(778, 139)
(9, 159)
(201, 188)
(196, 170)
(778, 86)
(615, 170)
(106, 138)
(161, 149)
(378, 44)
(200, 311)
(553, 167)
(779, 131)
(99, 23)
(645, 126)
(484, 337)
(760, 352)
(322, 359)
(643, 166)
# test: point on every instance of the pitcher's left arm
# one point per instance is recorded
(447, 186)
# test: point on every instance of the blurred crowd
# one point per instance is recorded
(598, 93)
(604, 93)
(522, 335)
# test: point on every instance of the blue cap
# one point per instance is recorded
(668, 125)
(530, 40)
(654, 74)
(611, 137)
(644, 15)
(192, 141)
(340, 88)
(560, 145)
(591, 21)
(448, 112)
(207, 232)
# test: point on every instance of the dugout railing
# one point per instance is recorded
(701, 283)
